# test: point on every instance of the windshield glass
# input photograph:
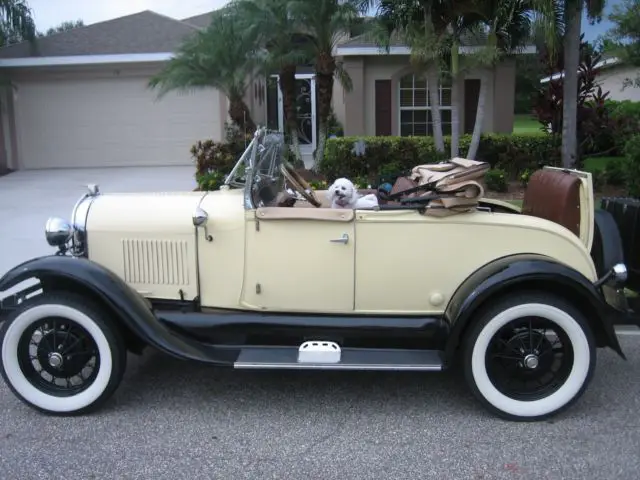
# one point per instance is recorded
(258, 169)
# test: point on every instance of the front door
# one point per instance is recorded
(300, 264)
(306, 103)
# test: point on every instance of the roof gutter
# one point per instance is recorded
(85, 60)
(603, 63)
(347, 51)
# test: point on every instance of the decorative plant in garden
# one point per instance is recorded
(594, 135)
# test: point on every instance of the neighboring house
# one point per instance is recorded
(82, 99)
(612, 75)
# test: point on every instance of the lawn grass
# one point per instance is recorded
(524, 123)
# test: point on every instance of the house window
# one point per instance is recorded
(415, 109)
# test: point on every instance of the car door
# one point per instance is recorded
(300, 260)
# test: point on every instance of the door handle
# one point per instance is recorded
(343, 239)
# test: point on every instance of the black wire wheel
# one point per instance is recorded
(60, 355)
(529, 357)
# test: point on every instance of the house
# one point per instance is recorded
(82, 100)
(611, 78)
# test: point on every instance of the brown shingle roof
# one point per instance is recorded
(143, 32)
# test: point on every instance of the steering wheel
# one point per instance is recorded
(299, 184)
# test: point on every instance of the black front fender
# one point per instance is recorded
(128, 304)
(526, 272)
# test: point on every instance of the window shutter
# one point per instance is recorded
(383, 107)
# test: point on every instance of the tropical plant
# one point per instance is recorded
(325, 23)
(222, 56)
(16, 22)
(623, 39)
(596, 125)
(413, 23)
(509, 27)
(283, 48)
(572, 23)
(63, 27)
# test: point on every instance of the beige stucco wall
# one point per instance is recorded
(612, 80)
(359, 105)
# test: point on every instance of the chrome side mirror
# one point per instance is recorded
(200, 219)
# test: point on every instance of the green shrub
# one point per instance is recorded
(387, 156)
(624, 122)
(496, 180)
(614, 171)
(210, 180)
(632, 166)
(213, 161)
(599, 179)
(524, 177)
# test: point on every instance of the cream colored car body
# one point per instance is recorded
(284, 259)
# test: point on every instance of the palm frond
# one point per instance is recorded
(16, 22)
(343, 77)
(221, 56)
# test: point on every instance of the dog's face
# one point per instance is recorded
(342, 192)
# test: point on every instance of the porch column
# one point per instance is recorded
(354, 100)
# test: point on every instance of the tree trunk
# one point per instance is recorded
(287, 78)
(573, 14)
(480, 112)
(240, 115)
(434, 101)
(455, 99)
(325, 70)
(323, 129)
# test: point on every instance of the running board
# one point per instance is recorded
(323, 355)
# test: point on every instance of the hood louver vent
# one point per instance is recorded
(155, 262)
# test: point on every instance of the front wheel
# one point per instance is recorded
(61, 355)
(529, 357)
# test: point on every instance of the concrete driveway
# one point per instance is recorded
(28, 198)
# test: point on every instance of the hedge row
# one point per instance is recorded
(369, 158)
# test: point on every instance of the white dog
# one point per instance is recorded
(343, 194)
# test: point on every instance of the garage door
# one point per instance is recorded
(110, 122)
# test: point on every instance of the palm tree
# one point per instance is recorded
(283, 49)
(572, 23)
(16, 22)
(16, 25)
(413, 22)
(433, 30)
(325, 22)
(509, 25)
(222, 56)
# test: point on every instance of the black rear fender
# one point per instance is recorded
(607, 249)
(529, 272)
(128, 307)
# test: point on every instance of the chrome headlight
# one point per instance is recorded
(58, 232)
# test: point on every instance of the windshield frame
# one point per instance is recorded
(258, 170)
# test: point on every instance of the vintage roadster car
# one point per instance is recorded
(264, 274)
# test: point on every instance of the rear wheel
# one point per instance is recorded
(61, 355)
(529, 357)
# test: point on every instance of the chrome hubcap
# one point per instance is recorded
(531, 361)
(55, 360)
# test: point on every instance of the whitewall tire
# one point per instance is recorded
(530, 356)
(60, 355)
